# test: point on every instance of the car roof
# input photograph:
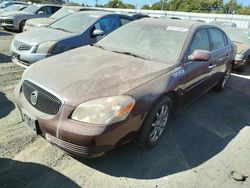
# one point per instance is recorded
(187, 24)
(98, 12)
(42, 5)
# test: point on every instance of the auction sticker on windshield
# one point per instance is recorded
(173, 28)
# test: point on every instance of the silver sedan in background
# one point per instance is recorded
(16, 20)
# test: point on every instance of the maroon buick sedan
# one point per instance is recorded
(93, 99)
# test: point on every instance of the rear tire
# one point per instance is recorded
(155, 123)
(222, 84)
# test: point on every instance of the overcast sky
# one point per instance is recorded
(140, 3)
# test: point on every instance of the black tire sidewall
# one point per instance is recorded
(145, 130)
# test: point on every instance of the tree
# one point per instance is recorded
(231, 7)
(118, 4)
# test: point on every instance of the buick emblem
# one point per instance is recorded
(33, 97)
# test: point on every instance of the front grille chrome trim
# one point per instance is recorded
(47, 102)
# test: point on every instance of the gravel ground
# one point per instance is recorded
(207, 145)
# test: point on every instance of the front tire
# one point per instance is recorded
(21, 26)
(155, 123)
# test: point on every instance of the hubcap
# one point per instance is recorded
(159, 124)
(226, 77)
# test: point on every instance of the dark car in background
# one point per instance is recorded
(93, 99)
(16, 20)
(75, 30)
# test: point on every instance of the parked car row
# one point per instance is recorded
(123, 86)
(16, 20)
(241, 40)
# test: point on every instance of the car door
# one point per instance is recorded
(106, 24)
(197, 73)
(220, 52)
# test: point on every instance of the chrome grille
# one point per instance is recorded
(46, 102)
(21, 46)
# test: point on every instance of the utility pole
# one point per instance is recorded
(96, 3)
(162, 4)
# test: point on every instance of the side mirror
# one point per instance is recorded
(98, 32)
(40, 12)
(200, 55)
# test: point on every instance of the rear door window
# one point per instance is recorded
(218, 38)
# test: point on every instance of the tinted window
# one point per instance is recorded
(46, 10)
(124, 21)
(218, 38)
(200, 41)
(108, 24)
(54, 9)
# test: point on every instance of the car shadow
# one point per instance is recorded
(5, 58)
(23, 174)
(197, 133)
(246, 72)
(6, 106)
(2, 33)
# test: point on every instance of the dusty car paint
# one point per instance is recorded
(102, 73)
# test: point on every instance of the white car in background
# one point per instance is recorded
(43, 22)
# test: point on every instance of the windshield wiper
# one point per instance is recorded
(99, 46)
(131, 54)
(57, 28)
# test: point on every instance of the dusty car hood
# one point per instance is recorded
(16, 13)
(241, 47)
(30, 37)
(89, 72)
(42, 21)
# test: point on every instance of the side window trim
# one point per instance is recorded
(224, 38)
(189, 45)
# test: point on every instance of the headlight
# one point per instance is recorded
(239, 57)
(104, 110)
(46, 47)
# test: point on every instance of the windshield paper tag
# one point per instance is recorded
(94, 16)
(173, 28)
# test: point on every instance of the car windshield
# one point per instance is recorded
(31, 9)
(61, 13)
(14, 7)
(75, 23)
(152, 42)
(237, 36)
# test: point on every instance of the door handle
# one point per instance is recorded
(212, 66)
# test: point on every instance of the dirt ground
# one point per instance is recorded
(207, 145)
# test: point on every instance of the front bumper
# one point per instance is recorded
(77, 138)
(7, 23)
(25, 58)
(239, 64)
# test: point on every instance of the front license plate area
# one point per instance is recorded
(30, 121)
